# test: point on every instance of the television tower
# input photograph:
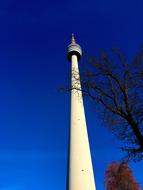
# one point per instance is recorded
(80, 170)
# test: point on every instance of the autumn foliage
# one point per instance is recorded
(119, 176)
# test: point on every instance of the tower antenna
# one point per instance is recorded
(73, 39)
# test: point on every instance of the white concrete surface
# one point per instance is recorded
(80, 175)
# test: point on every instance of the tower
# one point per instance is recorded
(80, 170)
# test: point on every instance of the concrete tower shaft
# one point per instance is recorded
(80, 174)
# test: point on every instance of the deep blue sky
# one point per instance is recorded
(34, 116)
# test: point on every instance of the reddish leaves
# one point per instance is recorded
(120, 177)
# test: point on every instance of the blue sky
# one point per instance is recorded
(34, 116)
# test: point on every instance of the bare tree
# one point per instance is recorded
(116, 87)
(119, 176)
